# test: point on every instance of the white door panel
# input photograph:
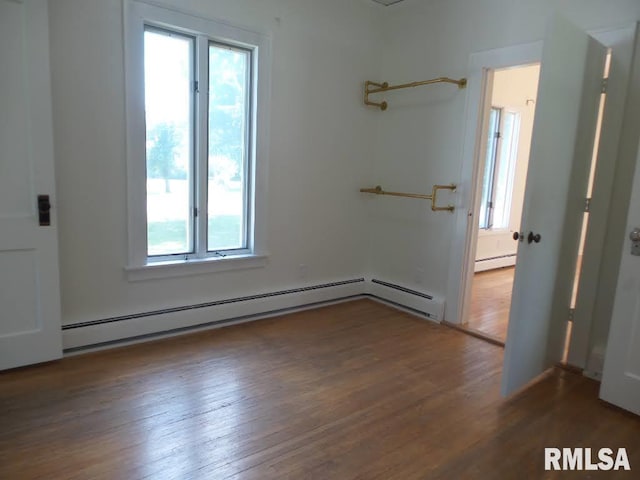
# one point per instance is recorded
(562, 143)
(621, 375)
(29, 284)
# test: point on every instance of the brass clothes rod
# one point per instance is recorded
(433, 197)
(373, 87)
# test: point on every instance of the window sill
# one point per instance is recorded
(185, 268)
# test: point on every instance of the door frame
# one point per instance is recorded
(465, 233)
(621, 41)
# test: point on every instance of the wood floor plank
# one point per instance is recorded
(351, 391)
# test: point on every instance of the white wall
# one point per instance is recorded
(324, 145)
(420, 141)
(320, 151)
(515, 90)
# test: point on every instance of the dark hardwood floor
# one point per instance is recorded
(491, 302)
(356, 390)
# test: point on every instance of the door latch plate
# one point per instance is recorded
(634, 236)
(44, 210)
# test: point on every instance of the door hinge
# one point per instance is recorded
(587, 204)
(572, 314)
(605, 85)
(195, 212)
(196, 86)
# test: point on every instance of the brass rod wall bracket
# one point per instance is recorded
(373, 87)
(378, 190)
(377, 87)
(434, 194)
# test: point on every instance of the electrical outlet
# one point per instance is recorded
(303, 271)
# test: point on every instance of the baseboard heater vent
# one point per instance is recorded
(409, 298)
(492, 263)
(402, 289)
(495, 258)
(217, 303)
(136, 327)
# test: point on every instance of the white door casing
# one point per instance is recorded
(29, 280)
(562, 145)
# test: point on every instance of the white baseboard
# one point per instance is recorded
(492, 263)
(104, 333)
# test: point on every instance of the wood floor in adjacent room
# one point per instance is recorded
(491, 302)
(356, 390)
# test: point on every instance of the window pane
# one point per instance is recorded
(229, 87)
(168, 60)
(506, 170)
(489, 169)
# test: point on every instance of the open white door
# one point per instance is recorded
(29, 284)
(621, 375)
(562, 144)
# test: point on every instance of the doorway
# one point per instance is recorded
(502, 166)
(570, 96)
(503, 162)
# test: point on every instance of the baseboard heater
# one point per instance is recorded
(513, 256)
(495, 262)
(102, 332)
(408, 298)
(171, 321)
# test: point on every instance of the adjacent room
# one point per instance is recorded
(319, 239)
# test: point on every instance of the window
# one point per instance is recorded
(170, 140)
(197, 149)
(179, 221)
(499, 170)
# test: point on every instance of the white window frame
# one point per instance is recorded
(137, 14)
(499, 161)
(511, 161)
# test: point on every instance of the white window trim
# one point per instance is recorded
(181, 268)
(135, 14)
